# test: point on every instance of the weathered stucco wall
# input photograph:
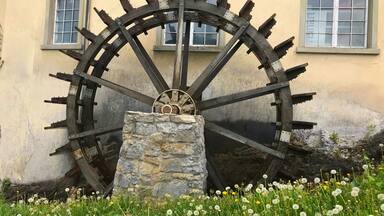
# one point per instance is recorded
(350, 91)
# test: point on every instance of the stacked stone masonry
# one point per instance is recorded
(161, 155)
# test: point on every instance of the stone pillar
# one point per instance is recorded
(161, 154)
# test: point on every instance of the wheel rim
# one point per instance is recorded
(83, 137)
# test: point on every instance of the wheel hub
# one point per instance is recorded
(176, 102)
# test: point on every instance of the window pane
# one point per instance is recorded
(345, 14)
(325, 27)
(211, 39)
(69, 4)
(327, 3)
(211, 28)
(214, 2)
(345, 3)
(74, 37)
(60, 4)
(198, 39)
(67, 26)
(313, 14)
(326, 15)
(311, 40)
(325, 40)
(199, 29)
(358, 14)
(77, 4)
(313, 3)
(60, 15)
(170, 38)
(358, 40)
(171, 28)
(344, 27)
(67, 38)
(358, 27)
(75, 24)
(312, 27)
(68, 15)
(76, 15)
(58, 38)
(59, 27)
(343, 40)
(359, 3)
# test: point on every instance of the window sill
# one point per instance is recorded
(348, 51)
(61, 47)
(203, 49)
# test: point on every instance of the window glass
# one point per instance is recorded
(336, 23)
(66, 19)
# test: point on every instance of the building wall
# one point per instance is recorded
(350, 91)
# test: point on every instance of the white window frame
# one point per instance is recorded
(50, 18)
(192, 37)
(55, 23)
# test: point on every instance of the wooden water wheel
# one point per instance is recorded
(175, 97)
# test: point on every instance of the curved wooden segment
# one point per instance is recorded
(242, 96)
(238, 138)
(95, 132)
(118, 88)
(145, 60)
(214, 68)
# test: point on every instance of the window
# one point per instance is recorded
(66, 19)
(63, 17)
(203, 37)
(343, 24)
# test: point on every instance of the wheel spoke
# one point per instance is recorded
(145, 60)
(178, 73)
(216, 65)
(118, 88)
(238, 138)
(96, 132)
(242, 96)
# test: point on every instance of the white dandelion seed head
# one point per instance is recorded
(244, 200)
(199, 207)
(356, 189)
(329, 213)
(354, 193)
(295, 206)
(303, 214)
(382, 207)
(275, 201)
(189, 213)
(335, 211)
(169, 212)
(270, 189)
(265, 176)
(303, 181)
(244, 207)
(196, 213)
(67, 190)
(343, 183)
(258, 190)
(218, 193)
(316, 180)
(380, 197)
(250, 211)
(339, 207)
(381, 145)
(365, 167)
(333, 172)
(217, 208)
(228, 188)
(249, 187)
(268, 206)
(236, 186)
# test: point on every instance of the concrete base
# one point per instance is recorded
(161, 155)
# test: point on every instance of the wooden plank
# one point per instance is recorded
(96, 132)
(178, 66)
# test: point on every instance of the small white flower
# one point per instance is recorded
(333, 172)
(275, 201)
(258, 190)
(336, 192)
(189, 213)
(303, 181)
(303, 214)
(329, 213)
(218, 193)
(228, 188)
(380, 197)
(265, 176)
(356, 189)
(381, 145)
(237, 186)
(339, 207)
(31, 200)
(248, 188)
(199, 207)
(335, 211)
(317, 180)
(169, 212)
(343, 183)
(244, 207)
(382, 207)
(250, 211)
(244, 200)
(217, 208)
(268, 206)
(365, 167)
(354, 193)
(295, 206)
(196, 213)
(67, 190)
(13, 205)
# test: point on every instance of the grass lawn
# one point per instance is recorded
(330, 194)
